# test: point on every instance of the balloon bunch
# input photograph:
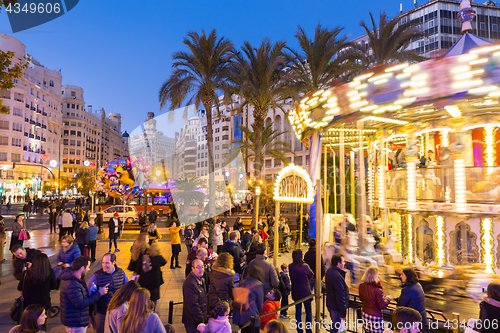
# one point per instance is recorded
(121, 178)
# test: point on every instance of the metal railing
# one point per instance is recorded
(294, 238)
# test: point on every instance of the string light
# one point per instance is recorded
(489, 140)
(487, 244)
(445, 142)
(460, 187)
(440, 239)
(410, 239)
(385, 120)
(294, 170)
(381, 186)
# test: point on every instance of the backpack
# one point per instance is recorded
(240, 297)
(146, 263)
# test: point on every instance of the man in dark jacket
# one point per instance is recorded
(152, 215)
(337, 293)
(270, 277)
(310, 259)
(23, 260)
(195, 298)
(114, 226)
(108, 274)
(75, 298)
(233, 249)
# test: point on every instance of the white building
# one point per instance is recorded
(154, 146)
(30, 134)
(186, 143)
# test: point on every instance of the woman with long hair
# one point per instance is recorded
(374, 301)
(17, 227)
(489, 309)
(82, 236)
(253, 282)
(32, 318)
(153, 232)
(118, 306)
(137, 250)
(37, 282)
(140, 317)
(153, 279)
(69, 252)
(412, 294)
(300, 277)
(221, 280)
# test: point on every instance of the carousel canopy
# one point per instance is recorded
(466, 43)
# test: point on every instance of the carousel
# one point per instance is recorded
(423, 141)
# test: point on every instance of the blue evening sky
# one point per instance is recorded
(120, 52)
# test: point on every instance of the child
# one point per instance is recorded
(272, 303)
(286, 288)
(219, 320)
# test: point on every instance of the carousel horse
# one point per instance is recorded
(352, 248)
(391, 250)
(369, 250)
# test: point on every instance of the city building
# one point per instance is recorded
(156, 148)
(185, 156)
(438, 19)
(89, 139)
(30, 134)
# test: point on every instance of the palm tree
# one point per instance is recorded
(258, 78)
(197, 75)
(188, 192)
(325, 61)
(390, 40)
(270, 142)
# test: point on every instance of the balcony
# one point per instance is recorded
(26, 120)
(32, 136)
(32, 122)
(27, 106)
(42, 151)
(37, 124)
(44, 139)
(38, 111)
(25, 133)
(44, 114)
(37, 137)
(25, 148)
(44, 126)
(33, 108)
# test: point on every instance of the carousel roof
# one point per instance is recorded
(466, 43)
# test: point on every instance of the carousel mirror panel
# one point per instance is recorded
(463, 245)
(424, 242)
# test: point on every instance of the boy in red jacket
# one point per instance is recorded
(271, 304)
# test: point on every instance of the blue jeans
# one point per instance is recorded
(298, 316)
(115, 237)
(335, 315)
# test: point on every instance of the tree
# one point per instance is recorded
(198, 75)
(258, 77)
(84, 182)
(8, 73)
(390, 40)
(322, 64)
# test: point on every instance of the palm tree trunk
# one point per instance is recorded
(259, 126)
(211, 169)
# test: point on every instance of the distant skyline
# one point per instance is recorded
(120, 52)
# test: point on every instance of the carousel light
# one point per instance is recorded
(319, 92)
(394, 136)
(362, 77)
(411, 69)
(460, 187)
(460, 69)
(327, 118)
(326, 93)
(416, 92)
(403, 76)
(385, 120)
(468, 83)
(381, 188)
(445, 140)
(397, 67)
(419, 77)
(405, 84)
(440, 238)
(352, 93)
(410, 239)
(487, 244)
(468, 75)
(417, 84)
(369, 108)
(354, 84)
(380, 81)
(405, 100)
(411, 183)
(291, 170)
(485, 49)
(333, 111)
(398, 244)
(467, 57)
(478, 61)
(453, 111)
(358, 104)
(363, 86)
(489, 141)
(370, 186)
(355, 98)
(482, 90)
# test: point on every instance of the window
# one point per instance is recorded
(267, 164)
(216, 139)
(73, 94)
(79, 125)
(65, 151)
(65, 142)
(4, 124)
(225, 137)
(216, 165)
(65, 169)
(15, 157)
(206, 163)
(67, 106)
(51, 83)
(217, 147)
(17, 112)
(78, 161)
(77, 106)
(79, 134)
(72, 142)
(78, 152)
(72, 152)
(16, 142)
(66, 132)
(3, 157)
(217, 130)
(72, 106)
(78, 143)
(17, 127)
(73, 133)
(4, 140)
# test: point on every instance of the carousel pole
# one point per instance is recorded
(301, 223)
(334, 183)
(342, 179)
(276, 236)
(353, 190)
(325, 182)
(318, 254)
(362, 179)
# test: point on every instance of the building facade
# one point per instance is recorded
(438, 19)
(30, 134)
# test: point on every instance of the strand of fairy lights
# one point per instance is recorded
(440, 236)
(487, 244)
(445, 141)
(370, 186)
(489, 141)
(381, 189)
(410, 239)
(412, 183)
(460, 186)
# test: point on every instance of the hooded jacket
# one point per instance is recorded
(269, 306)
(75, 300)
(219, 325)
(69, 256)
(221, 285)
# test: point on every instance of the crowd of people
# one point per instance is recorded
(228, 281)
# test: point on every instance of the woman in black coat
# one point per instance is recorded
(82, 236)
(153, 279)
(489, 310)
(221, 280)
(412, 295)
(37, 282)
(300, 276)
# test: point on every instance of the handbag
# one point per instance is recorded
(24, 235)
(86, 251)
(18, 308)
